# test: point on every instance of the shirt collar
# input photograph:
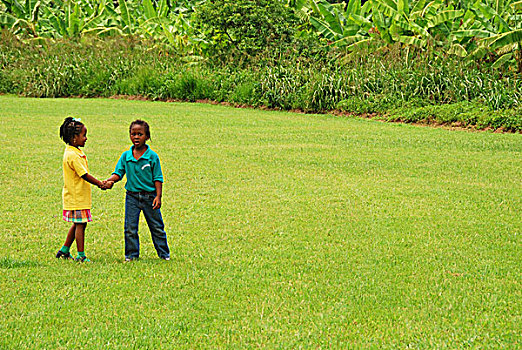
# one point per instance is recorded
(145, 155)
(76, 150)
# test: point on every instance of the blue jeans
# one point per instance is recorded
(134, 204)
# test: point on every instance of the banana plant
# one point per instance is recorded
(119, 19)
(21, 18)
(415, 23)
(156, 23)
(170, 24)
(503, 21)
(350, 26)
(468, 28)
(69, 20)
(51, 19)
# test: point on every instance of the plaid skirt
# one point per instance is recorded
(77, 216)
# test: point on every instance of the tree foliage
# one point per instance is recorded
(246, 25)
(475, 29)
(467, 28)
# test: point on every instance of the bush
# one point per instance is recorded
(244, 93)
(366, 104)
(187, 85)
(441, 91)
(144, 82)
(245, 26)
(463, 114)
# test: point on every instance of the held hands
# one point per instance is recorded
(106, 185)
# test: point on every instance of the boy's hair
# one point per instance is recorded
(70, 127)
(142, 123)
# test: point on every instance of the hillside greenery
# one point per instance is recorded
(444, 62)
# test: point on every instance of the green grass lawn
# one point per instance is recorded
(286, 231)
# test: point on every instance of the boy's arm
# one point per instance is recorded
(119, 171)
(114, 178)
(156, 204)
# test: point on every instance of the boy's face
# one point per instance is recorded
(79, 140)
(138, 136)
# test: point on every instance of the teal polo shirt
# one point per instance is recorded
(141, 173)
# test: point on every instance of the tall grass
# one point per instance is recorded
(369, 82)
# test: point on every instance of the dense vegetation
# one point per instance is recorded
(439, 61)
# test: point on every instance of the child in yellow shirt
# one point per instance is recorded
(76, 193)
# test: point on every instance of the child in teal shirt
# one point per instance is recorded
(144, 190)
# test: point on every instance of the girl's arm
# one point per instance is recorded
(92, 180)
(156, 204)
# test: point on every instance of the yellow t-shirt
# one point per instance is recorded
(76, 192)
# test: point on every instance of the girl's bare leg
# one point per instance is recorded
(80, 236)
(70, 236)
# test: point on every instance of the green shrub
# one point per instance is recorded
(464, 114)
(509, 120)
(244, 25)
(6, 84)
(187, 85)
(237, 86)
(145, 82)
(421, 89)
(281, 87)
(244, 93)
(356, 104)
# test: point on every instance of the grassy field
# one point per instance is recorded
(286, 231)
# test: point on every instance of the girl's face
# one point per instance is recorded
(79, 140)
(138, 136)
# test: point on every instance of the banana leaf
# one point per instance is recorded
(34, 12)
(457, 49)
(29, 6)
(18, 10)
(353, 7)
(444, 16)
(502, 60)
(330, 16)
(516, 5)
(500, 40)
(411, 40)
(56, 23)
(150, 12)
(403, 7)
(324, 28)
(479, 33)
(163, 9)
(7, 19)
(125, 15)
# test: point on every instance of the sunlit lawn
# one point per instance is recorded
(286, 231)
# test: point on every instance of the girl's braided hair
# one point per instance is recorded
(70, 127)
